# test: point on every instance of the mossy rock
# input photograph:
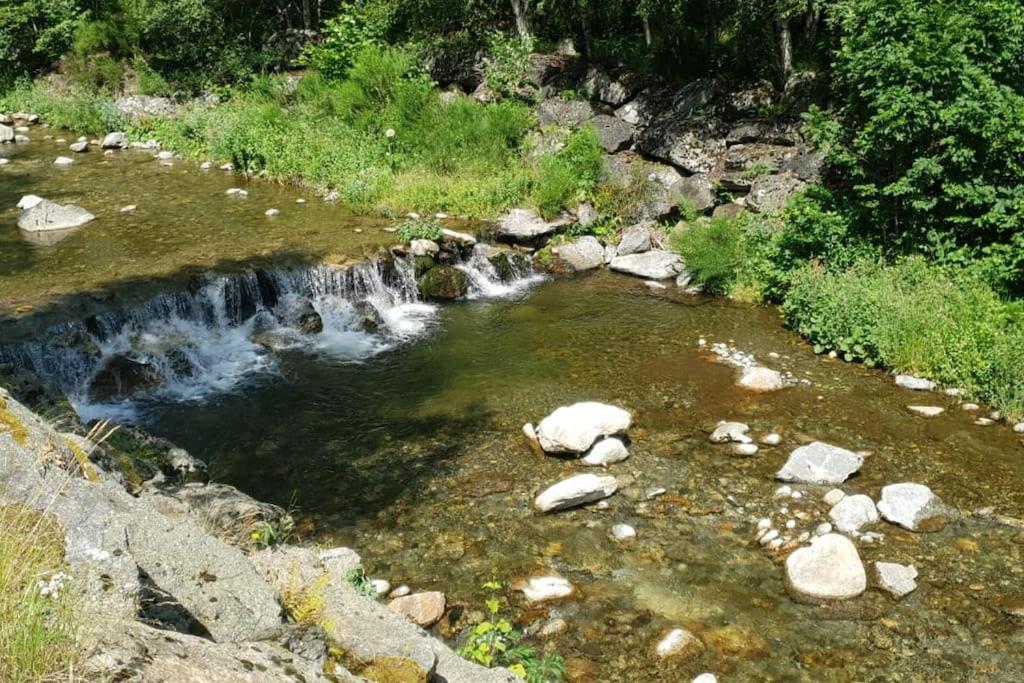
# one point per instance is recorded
(443, 283)
(421, 264)
(394, 670)
(509, 264)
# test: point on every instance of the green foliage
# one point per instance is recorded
(507, 67)
(927, 134)
(33, 35)
(913, 317)
(272, 534)
(712, 250)
(150, 82)
(419, 229)
(360, 582)
(494, 642)
(358, 24)
(86, 112)
(569, 175)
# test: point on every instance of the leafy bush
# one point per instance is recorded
(712, 250)
(87, 112)
(507, 66)
(358, 24)
(569, 175)
(419, 229)
(33, 35)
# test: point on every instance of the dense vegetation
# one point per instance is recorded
(909, 254)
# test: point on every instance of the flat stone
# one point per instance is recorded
(914, 383)
(730, 432)
(614, 133)
(853, 512)
(914, 507)
(820, 463)
(926, 411)
(575, 428)
(896, 579)
(623, 532)
(575, 491)
(678, 642)
(46, 215)
(656, 264)
(543, 588)
(63, 161)
(525, 225)
(422, 609)
(829, 569)
(586, 253)
(757, 378)
(744, 449)
(605, 452)
(833, 496)
(79, 147)
(635, 239)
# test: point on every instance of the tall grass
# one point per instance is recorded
(713, 252)
(85, 111)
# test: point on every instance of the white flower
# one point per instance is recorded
(389, 133)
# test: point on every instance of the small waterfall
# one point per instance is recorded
(485, 280)
(225, 329)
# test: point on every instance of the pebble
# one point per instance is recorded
(237, 192)
(206, 166)
(553, 628)
(270, 213)
(129, 208)
(1019, 428)
(652, 493)
(791, 524)
(784, 491)
(768, 536)
(984, 422)
(654, 284)
(623, 532)
(744, 449)
(969, 406)
(165, 155)
(927, 411)
(400, 592)
(804, 537)
(764, 523)
(676, 642)
(300, 200)
(228, 167)
(705, 678)
(833, 497)
(796, 495)
(63, 161)
(777, 543)
(822, 529)
(771, 439)
(4, 161)
(381, 587)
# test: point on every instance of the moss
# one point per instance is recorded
(394, 670)
(88, 471)
(10, 423)
(443, 283)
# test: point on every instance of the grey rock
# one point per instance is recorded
(79, 147)
(829, 569)
(914, 507)
(424, 248)
(575, 491)
(896, 579)
(138, 107)
(566, 113)
(297, 312)
(820, 463)
(6, 133)
(770, 193)
(124, 375)
(585, 253)
(220, 509)
(575, 428)
(614, 133)
(806, 164)
(46, 215)
(764, 132)
(656, 264)
(598, 85)
(914, 383)
(586, 214)
(730, 432)
(526, 225)
(853, 512)
(635, 239)
(691, 143)
(644, 107)
(116, 140)
(695, 192)
(757, 378)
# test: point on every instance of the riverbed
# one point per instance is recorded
(411, 451)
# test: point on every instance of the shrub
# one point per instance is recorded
(507, 66)
(419, 229)
(358, 24)
(712, 250)
(569, 175)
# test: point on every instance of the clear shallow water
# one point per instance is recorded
(408, 446)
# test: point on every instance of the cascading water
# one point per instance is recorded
(226, 329)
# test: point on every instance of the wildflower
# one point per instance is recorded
(389, 133)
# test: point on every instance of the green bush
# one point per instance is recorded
(33, 35)
(358, 24)
(507, 67)
(713, 252)
(419, 229)
(86, 112)
(569, 175)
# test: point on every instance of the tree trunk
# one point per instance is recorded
(647, 31)
(521, 11)
(785, 39)
(307, 17)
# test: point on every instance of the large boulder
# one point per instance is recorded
(585, 253)
(691, 143)
(46, 215)
(598, 85)
(526, 226)
(575, 428)
(636, 239)
(769, 193)
(444, 283)
(914, 507)
(820, 463)
(829, 569)
(614, 133)
(138, 107)
(656, 264)
(575, 491)
(564, 113)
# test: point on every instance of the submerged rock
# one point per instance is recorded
(623, 532)
(914, 383)
(422, 609)
(853, 512)
(730, 432)
(575, 428)
(926, 411)
(820, 463)
(829, 569)
(757, 378)
(896, 579)
(543, 588)
(606, 452)
(45, 215)
(656, 264)
(914, 507)
(678, 642)
(574, 491)
(123, 375)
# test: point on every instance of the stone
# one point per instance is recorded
(236, 192)
(770, 439)
(128, 208)
(705, 678)
(29, 201)
(220, 509)
(381, 587)
(598, 85)
(853, 512)
(656, 264)
(45, 215)
(726, 432)
(567, 113)
(614, 134)
(79, 147)
(525, 225)
(6, 133)
(605, 452)
(63, 161)
(586, 214)
(400, 591)
(695, 192)
(444, 283)
(820, 463)
(575, 428)
(914, 507)
(763, 132)
(757, 378)
(586, 253)
(165, 155)
(829, 569)
(21, 139)
(422, 609)
(463, 239)
(896, 579)
(623, 532)
(914, 383)
(297, 312)
(124, 375)
(116, 140)
(927, 411)
(420, 247)
(543, 588)
(138, 107)
(1018, 428)
(553, 628)
(833, 496)
(635, 239)
(678, 642)
(744, 449)
(769, 193)
(575, 491)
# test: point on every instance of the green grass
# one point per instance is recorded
(713, 251)
(86, 112)
(39, 634)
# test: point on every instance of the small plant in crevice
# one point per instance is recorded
(495, 642)
(360, 582)
(419, 229)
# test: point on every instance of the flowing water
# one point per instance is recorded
(404, 442)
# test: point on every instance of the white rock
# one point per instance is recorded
(116, 140)
(914, 383)
(4, 161)
(678, 641)
(909, 505)
(236, 192)
(63, 161)
(656, 264)
(726, 432)
(79, 147)
(744, 449)
(300, 200)
(381, 587)
(21, 139)
(768, 536)
(969, 406)
(654, 284)
(833, 497)
(757, 378)
(206, 166)
(270, 213)
(822, 529)
(783, 491)
(796, 495)
(623, 532)
(165, 155)
(853, 512)
(228, 167)
(790, 524)
(28, 201)
(400, 592)
(574, 429)
(606, 452)
(525, 225)
(128, 208)
(654, 492)
(420, 247)
(926, 411)
(820, 463)
(463, 238)
(764, 523)
(586, 253)
(542, 588)
(531, 434)
(828, 569)
(984, 422)
(574, 491)
(46, 215)
(1019, 428)
(771, 439)
(896, 579)
(635, 239)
